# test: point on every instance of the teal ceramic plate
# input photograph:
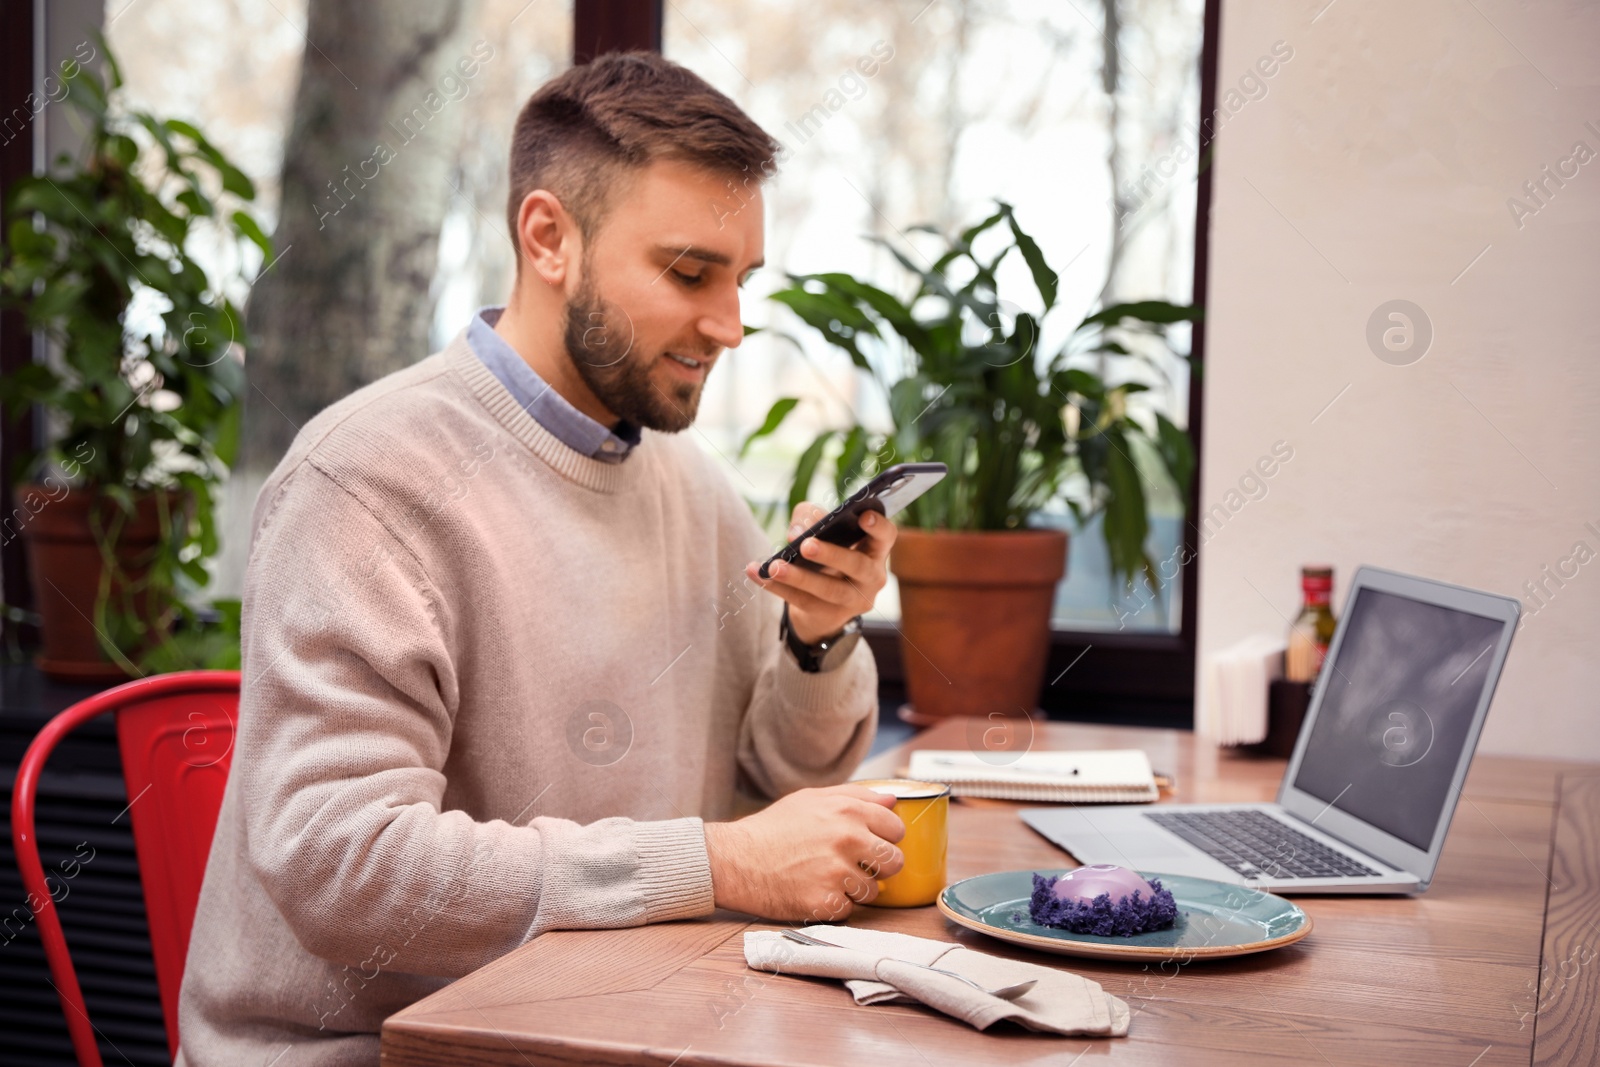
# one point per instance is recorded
(1215, 919)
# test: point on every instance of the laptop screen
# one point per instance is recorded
(1396, 711)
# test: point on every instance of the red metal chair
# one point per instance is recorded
(175, 732)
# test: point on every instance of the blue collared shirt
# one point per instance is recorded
(549, 408)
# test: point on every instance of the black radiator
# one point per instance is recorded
(86, 843)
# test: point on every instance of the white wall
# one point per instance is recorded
(1378, 166)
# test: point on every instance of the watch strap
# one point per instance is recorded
(810, 657)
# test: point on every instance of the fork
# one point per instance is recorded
(1006, 992)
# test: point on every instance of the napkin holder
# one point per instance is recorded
(1286, 713)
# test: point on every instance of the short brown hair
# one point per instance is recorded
(587, 127)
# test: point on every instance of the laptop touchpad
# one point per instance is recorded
(1151, 845)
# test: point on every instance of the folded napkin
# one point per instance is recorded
(1233, 690)
(880, 967)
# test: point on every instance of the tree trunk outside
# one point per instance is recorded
(1110, 77)
(365, 188)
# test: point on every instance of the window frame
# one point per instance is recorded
(614, 26)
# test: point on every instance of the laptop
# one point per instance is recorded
(1363, 808)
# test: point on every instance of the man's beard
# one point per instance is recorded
(599, 338)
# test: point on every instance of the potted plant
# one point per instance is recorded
(1018, 431)
(143, 401)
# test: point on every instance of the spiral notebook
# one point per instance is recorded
(1106, 776)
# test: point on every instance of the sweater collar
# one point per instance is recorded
(561, 457)
(548, 407)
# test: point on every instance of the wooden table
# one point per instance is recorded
(1498, 963)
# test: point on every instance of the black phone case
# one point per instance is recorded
(841, 526)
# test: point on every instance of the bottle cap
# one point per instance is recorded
(1318, 579)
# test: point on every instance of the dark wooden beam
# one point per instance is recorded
(601, 26)
(1211, 42)
(16, 343)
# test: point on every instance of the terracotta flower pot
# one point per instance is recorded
(66, 568)
(975, 618)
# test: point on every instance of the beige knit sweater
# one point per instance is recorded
(492, 687)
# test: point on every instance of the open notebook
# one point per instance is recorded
(1109, 776)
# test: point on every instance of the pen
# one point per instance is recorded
(948, 762)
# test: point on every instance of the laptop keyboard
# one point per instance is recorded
(1256, 845)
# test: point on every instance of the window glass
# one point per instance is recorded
(897, 114)
(239, 85)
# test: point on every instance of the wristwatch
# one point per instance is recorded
(828, 653)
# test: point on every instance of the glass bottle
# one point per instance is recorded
(1313, 629)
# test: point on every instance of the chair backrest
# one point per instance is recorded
(175, 732)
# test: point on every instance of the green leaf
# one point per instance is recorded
(231, 614)
(806, 469)
(163, 137)
(247, 225)
(195, 202)
(1044, 279)
(1160, 312)
(930, 279)
(1080, 382)
(1126, 525)
(173, 227)
(31, 383)
(886, 306)
(838, 320)
(58, 299)
(1176, 451)
(202, 531)
(187, 129)
(775, 416)
(851, 457)
(113, 68)
(226, 443)
(90, 96)
(910, 403)
(971, 233)
(235, 180)
(57, 201)
(121, 497)
(30, 243)
(121, 148)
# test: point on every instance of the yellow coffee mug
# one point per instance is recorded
(925, 809)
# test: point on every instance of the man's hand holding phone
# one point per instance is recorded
(848, 583)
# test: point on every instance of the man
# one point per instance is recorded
(503, 672)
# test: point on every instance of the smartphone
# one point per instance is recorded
(886, 494)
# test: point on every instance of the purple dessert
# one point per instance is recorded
(1103, 899)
